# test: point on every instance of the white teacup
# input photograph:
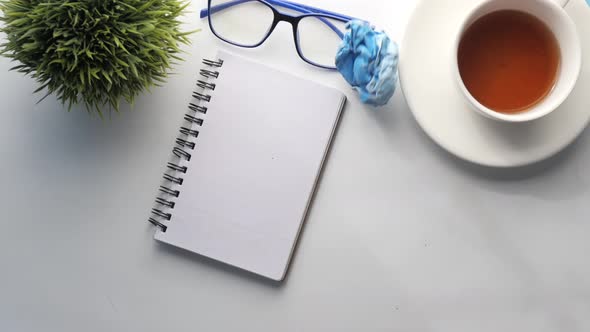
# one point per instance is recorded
(564, 29)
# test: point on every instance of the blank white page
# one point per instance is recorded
(254, 168)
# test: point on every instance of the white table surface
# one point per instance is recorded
(401, 236)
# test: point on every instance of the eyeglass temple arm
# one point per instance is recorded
(283, 3)
(286, 4)
(310, 9)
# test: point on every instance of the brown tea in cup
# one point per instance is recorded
(508, 60)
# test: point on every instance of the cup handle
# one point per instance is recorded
(562, 3)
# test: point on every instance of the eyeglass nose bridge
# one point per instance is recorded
(293, 20)
(286, 17)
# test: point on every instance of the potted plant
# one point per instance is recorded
(95, 52)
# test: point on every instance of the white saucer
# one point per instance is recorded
(440, 109)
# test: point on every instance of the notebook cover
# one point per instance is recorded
(253, 171)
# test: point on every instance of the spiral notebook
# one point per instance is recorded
(245, 165)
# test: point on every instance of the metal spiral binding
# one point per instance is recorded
(165, 202)
(202, 97)
(197, 108)
(211, 63)
(209, 73)
(176, 168)
(206, 85)
(169, 191)
(193, 119)
(184, 143)
(180, 153)
(189, 132)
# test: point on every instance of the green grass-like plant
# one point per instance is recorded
(93, 51)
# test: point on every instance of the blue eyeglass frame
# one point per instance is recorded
(279, 16)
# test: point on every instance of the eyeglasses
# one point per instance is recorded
(248, 23)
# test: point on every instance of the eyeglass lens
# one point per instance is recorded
(242, 23)
(319, 38)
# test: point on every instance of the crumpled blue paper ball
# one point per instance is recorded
(368, 60)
